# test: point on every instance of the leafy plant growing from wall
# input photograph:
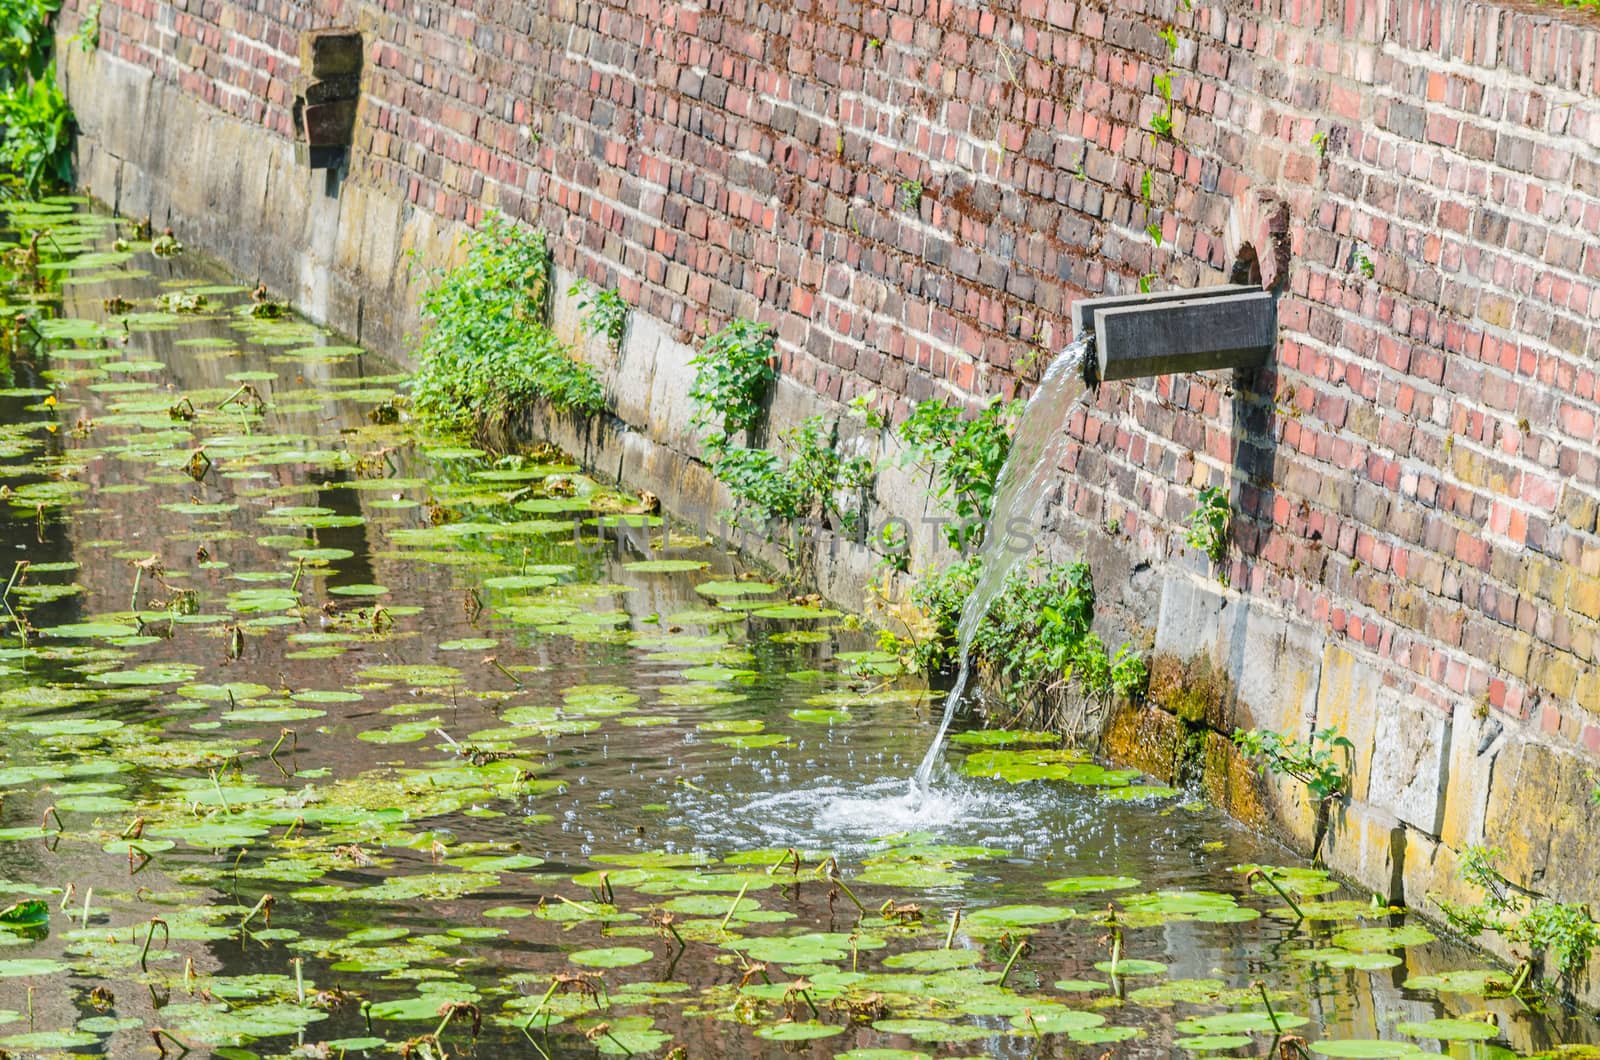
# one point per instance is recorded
(1162, 121)
(604, 311)
(807, 478)
(487, 349)
(1039, 635)
(893, 541)
(1564, 934)
(1208, 525)
(911, 195)
(1036, 641)
(733, 373)
(964, 457)
(939, 597)
(88, 36)
(1322, 764)
(36, 152)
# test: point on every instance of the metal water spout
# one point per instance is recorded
(1230, 326)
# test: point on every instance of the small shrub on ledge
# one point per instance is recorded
(733, 373)
(1036, 641)
(488, 349)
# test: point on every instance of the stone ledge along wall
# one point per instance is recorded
(914, 193)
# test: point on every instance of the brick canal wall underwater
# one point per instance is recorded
(915, 192)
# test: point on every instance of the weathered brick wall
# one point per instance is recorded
(1418, 477)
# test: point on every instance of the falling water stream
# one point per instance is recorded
(1021, 496)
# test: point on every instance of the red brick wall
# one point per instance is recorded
(1421, 472)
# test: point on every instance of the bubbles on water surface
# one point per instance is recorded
(847, 817)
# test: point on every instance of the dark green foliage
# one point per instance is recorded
(1564, 932)
(36, 153)
(804, 477)
(964, 455)
(605, 312)
(37, 150)
(807, 479)
(1036, 639)
(1322, 765)
(732, 374)
(940, 596)
(488, 349)
(25, 41)
(1209, 523)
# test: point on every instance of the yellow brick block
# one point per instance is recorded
(1557, 672)
(1583, 595)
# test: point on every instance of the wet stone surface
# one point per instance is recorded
(321, 737)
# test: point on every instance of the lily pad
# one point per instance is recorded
(1450, 1030)
(1364, 1049)
(611, 957)
(1383, 938)
(798, 1032)
(1462, 981)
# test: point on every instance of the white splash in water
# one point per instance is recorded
(850, 817)
(1019, 502)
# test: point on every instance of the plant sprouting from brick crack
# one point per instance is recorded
(1322, 764)
(1209, 523)
(808, 478)
(88, 35)
(732, 375)
(864, 408)
(1162, 121)
(605, 312)
(910, 195)
(487, 349)
(1564, 932)
(963, 455)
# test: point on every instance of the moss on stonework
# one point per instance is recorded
(1148, 738)
(1232, 782)
(1195, 690)
(1180, 735)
